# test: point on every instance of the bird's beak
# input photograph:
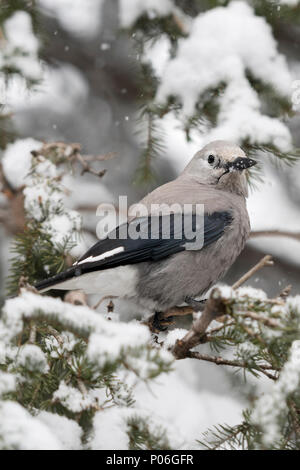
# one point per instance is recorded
(240, 164)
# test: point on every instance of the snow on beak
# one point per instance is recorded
(240, 164)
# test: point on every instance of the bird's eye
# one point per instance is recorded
(211, 159)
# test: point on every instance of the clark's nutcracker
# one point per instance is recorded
(162, 272)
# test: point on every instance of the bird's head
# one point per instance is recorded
(222, 164)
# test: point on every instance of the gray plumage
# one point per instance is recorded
(161, 275)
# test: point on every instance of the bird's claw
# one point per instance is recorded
(159, 323)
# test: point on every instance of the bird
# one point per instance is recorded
(159, 272)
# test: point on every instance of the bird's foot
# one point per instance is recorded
(196, 304)
(158, 322)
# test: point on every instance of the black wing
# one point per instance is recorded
(147, 239)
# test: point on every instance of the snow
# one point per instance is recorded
(227, 292)
(65, 346)
(107, 348)
(20, 47)
(158, 54)
(130, 10)
(20, 431)
(247, 350)
(172, 336)
(62, 88)
(44, 168)
(80, 18)
(75, 401)
(27, 304)
(108, 340)
(179, 151)
(290, 376)
(110, 430)
(290, 3)
(201, 64)
(7, 382)
(32, 358)
(144, 364)
(67, 431)
(60, 226)
(293, 303)
(90, 191)
(270, 407)
(183, 409)
(16, 160)
(105, 46)
(41, 197)
(18, 32)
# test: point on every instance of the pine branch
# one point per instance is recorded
(142, 438)
(151, 29)
(263, 368)
(271, 151)
(153, 149)
(224, 437)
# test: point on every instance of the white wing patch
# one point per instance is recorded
(107, 254)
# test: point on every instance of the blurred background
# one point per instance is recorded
(152, 82)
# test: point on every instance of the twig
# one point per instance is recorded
(81, 386)
(105, 297)
(213, 308)
(263, 368)
(285, 292)
(99, 158)
(179, 23)
(266, 321)
(179, 311)
(265, 261)
(56, 334)
(275, 233)
(32, 334)
(86, 168)
(218, 328)
(71, 152)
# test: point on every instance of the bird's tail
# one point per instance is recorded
(55, 281)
